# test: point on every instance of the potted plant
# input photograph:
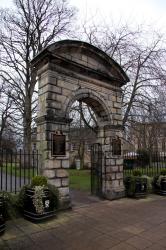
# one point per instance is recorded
(39, 200)
(159, 183)
(137, 185)
(2, 211)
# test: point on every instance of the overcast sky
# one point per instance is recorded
(149, 12)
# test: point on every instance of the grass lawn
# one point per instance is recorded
(79, 179)
(12, 169)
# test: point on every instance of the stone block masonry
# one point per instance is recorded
(70, 71)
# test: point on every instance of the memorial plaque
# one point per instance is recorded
(116, 146)
(58, 144)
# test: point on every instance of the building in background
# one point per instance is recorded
(150, 136)
(81, 141)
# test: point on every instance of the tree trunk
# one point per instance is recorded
(27, 124)
(0, 150)
(27, 119)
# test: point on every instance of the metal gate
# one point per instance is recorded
(96, 169)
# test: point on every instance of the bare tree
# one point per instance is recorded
(32, 27)
(83, 126)
(147, 129)
(142, 57)
(5, 113)
(80, 111)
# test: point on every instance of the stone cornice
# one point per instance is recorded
(73, 69)
(70, 68)
(52, 119)
(114, 127)
(66, 46)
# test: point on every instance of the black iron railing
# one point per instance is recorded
(96, 169)
(17, 168)
(149, 163)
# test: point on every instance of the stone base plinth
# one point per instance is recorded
(65, 203)
(114, 194)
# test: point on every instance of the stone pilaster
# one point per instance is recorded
(54, 167)
(113, 187)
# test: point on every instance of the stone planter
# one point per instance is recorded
(30, 210)
(2, 220)
(163, 186)
(140, 188)
(159, 188)
(136, 187)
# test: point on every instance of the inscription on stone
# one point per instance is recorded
(58, 144)
(116, 146)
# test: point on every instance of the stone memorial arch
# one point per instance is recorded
(73, 70)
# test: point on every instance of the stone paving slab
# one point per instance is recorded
(124, 224)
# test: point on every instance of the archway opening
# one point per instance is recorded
(87, 115)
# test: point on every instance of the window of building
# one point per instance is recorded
(74, 146)
(88, 147)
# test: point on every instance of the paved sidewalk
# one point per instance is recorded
(82, 198)
(124, 224)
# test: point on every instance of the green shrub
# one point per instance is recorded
(38, 199)
(14, 203)
(21, 197)
(54, 195)
(11, 210)
(137, 172)
(130, 182)
(157, 179)
(149, 182)
(39, 181)
(39, 194)
(163, 172)
(154, 181)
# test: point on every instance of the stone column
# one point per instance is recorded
(112, 187)
(54, 167)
